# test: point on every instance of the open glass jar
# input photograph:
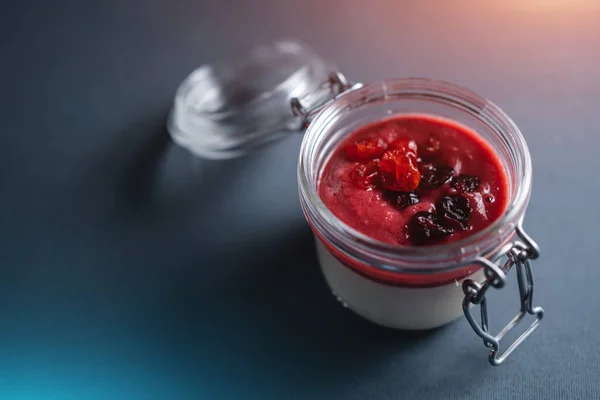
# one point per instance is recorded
(396, 286)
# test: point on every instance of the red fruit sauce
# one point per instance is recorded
(386, 172)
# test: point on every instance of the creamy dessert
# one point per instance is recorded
(412, 180)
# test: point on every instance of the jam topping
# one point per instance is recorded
(465, 183)
(455, 209)
(415, 180)
(366, 150)
(399, 170)
(405, 145)
(401, 200)
(435, 176)
(366, 176)
(425, 227)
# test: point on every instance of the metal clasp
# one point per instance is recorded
(519, 254)
(309, 106)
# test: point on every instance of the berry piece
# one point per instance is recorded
(399, 171)
(424, 227)
(434, 177)
(405, 145)
(366, 176)
(425, 165)
(455, 208)
(465, 183)
(401, 200)
(365, 150)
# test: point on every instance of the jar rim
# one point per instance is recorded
(415, 259)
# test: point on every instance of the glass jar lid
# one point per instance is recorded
(224, 110)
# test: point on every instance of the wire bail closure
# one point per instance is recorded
(309, 106)
(519, 253)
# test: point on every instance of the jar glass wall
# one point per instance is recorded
(399, 286)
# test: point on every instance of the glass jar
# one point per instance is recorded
(395, 286)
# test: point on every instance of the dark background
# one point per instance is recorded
(132, 270)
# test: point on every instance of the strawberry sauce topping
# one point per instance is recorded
(415, 181)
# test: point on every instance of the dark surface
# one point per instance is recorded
(131, 270)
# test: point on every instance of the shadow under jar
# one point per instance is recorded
(227, 110)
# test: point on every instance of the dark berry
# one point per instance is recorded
(425, 161)
(401, 200)
(465, 183)
(425, 165)
(434, 177)
(455, 208)
(365, 150)
(366, 176)
(399, 171)
(424, 227)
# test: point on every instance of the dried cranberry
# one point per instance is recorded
(401, 200)
(365, 150)
(465, 183)
(434, 177)
(399, 171)
(455, 208)
(425, 227)
(366, 176)
(405, 145)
